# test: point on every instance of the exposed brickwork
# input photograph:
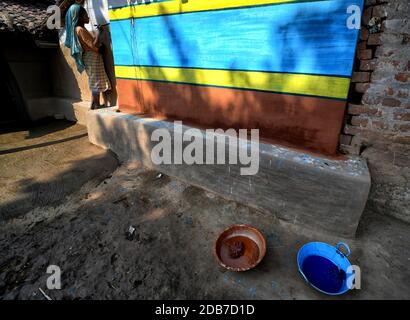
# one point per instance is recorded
(379, 95)
(378, 114)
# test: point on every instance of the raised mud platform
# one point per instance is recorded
(312, 191)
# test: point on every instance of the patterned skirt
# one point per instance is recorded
(94, 67)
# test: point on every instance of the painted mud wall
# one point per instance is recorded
(282, 66)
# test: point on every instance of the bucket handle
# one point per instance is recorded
(346, 247)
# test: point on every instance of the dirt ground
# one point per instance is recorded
(42, 164)
(83, 231)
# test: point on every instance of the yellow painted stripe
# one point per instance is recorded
(177, 6)
(312, 85)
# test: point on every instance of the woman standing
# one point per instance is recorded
(85, 50)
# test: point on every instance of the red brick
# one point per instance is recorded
(364, 54)
(362, 45)
(402, 116)
(402, 127)
(391, 102)
(374, 39)
(352, 130)
(362, 87)
(379, 11)
(364, 34)
(368, 65)
(402, 139)
(359, 121)
(402, 77)
(378, 124)
(367, 14)
(356, 109)
(361, 77)
(389, 91)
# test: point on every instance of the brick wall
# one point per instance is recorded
(379, 101)
(377, 122)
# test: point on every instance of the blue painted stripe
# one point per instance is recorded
(299, 38)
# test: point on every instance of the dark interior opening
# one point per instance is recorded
(12, 108)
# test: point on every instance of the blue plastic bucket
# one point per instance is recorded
(324, 267)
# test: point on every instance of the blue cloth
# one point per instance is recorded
(71, 41)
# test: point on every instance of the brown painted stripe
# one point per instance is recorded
(304, 122)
